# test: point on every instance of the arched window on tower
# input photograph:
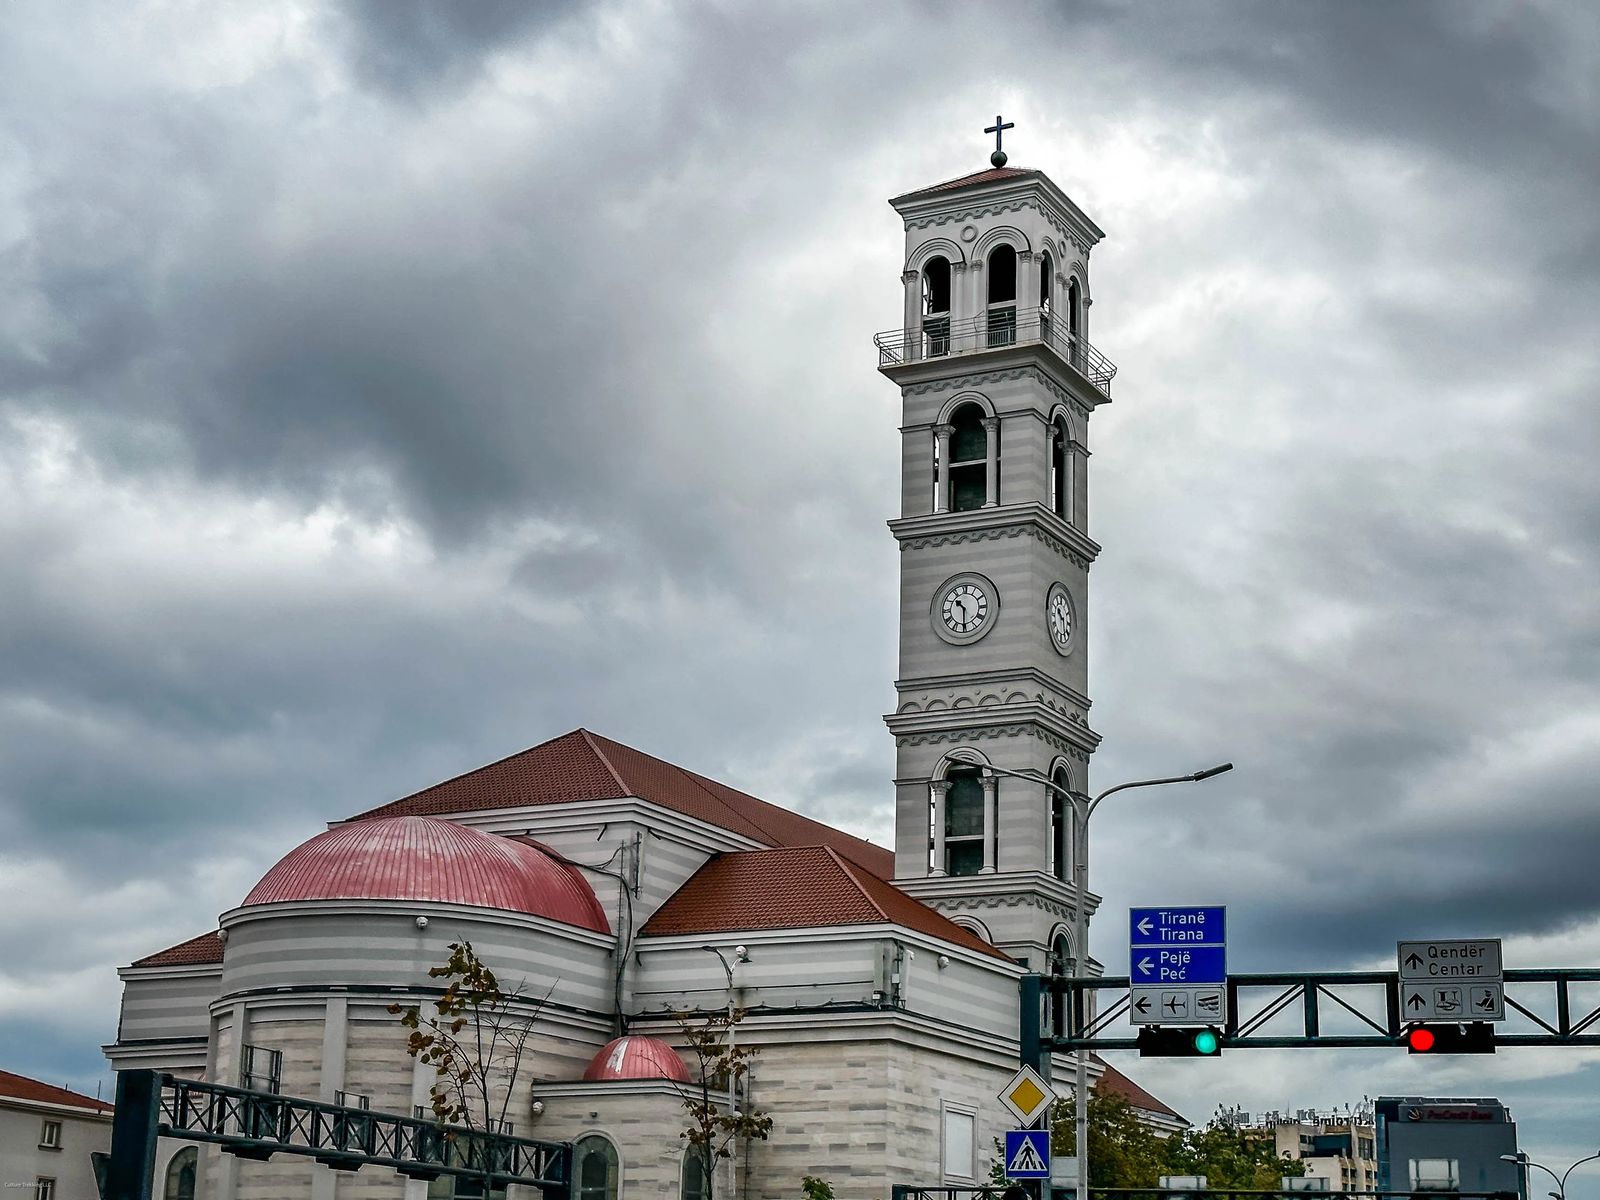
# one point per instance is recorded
(1060, 827)
(1002, 273)
(1047, 288)
(963, 822)
(1060, 964)
(1074, 318)
(969, 458)
(936, 307)
(1060, 470)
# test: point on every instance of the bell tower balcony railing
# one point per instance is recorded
(940, 337)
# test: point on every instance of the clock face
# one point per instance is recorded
(1058, 615)
(964, 608)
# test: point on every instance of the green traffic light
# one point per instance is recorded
(1205, 1041)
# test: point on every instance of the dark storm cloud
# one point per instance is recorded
(388, 391)
(404, 46)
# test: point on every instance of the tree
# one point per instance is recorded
(1229, 1157)
(474, 1039)
(718, 1064)
(1124, 1152)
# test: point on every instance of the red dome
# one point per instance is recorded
(637, 1058)
(420, 858)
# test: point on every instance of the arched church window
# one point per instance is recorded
(696, 1178)
(1060, 471)
(181, 1173)
(1060, 828)
(1047, 281)
(963, 822)
(597, 1168)
(936, 306)
(969, 454)
(1074, 321)
(1060, 964)
(1002, 273)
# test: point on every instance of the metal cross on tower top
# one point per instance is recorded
(998, 158)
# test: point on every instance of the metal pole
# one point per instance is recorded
(733, 1100)
(1082, 809)
(132, 1164)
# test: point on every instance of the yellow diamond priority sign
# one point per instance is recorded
(1028, 1096)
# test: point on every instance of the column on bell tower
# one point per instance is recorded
(994, 565)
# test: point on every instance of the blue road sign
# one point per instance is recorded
(1027, 1154)
(1179, 965)
(1177, 946)
(1178, 925)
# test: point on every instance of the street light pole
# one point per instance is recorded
(1082, 809)
(740, 954)
(1521, 1159)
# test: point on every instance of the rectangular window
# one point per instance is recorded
(958, 1143)
(44, 1189)
(50, 1135)
(261, 1069)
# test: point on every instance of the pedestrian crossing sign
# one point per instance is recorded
(1027, 1154)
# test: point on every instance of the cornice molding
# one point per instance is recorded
(1001, 522)
(946, 728)
(980, 679)
(980, 378)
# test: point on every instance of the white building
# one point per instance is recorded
(880, 986)
(47, 1134)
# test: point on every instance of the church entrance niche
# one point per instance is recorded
(969, 456)
(963, 822)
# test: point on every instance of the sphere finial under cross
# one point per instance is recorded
(998, 158)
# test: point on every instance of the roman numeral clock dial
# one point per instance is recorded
(964, 608)
(1059, 617)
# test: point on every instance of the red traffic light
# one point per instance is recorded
(1474, 1038)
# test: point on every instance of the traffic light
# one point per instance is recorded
(1474, 1038)
(1162, 1041)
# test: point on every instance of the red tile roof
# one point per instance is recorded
(422, 858)
(1118, 1084)
(20, 1087)
(990, 175)
(197, 951)
(581, 766)
(795, 887)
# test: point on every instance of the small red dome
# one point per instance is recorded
(420, 858)
(637, 1058)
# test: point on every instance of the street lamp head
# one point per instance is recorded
(1514, 1158)
(1220, 769)
(740, 954)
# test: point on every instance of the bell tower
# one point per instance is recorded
(998, 381)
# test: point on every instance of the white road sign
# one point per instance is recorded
(1201, 1005)
(1452, 980)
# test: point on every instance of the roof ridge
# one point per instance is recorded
(860, 887)
(734, 818)
(366, 814)
(627, 789)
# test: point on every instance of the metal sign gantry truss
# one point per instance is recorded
(258, 1125)
(1543, 1008)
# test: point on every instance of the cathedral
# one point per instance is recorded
(879, 987)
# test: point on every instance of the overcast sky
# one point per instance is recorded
(387, 387)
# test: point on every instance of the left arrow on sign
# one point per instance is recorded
(1142, 1005)
(1145, 964)
(1145, 927)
